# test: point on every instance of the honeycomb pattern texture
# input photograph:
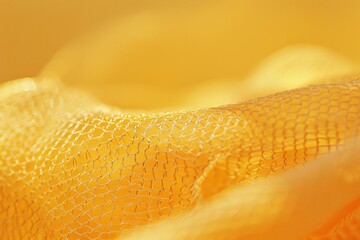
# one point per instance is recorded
(73, 168)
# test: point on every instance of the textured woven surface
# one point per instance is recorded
(73, 168)
(127, 132)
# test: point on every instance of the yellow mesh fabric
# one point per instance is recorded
(288, 206)
(147, 129)
(72, 168)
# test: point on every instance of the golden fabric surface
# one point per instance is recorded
(102, 145)
(73, 168)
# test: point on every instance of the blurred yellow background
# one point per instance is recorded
(157, 48)
(33, 31)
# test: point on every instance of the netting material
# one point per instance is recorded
(287, 206)
(72, 168)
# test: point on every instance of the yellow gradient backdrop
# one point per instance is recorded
(206, 38)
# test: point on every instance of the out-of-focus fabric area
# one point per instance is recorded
(179, 120)
(225, 39)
